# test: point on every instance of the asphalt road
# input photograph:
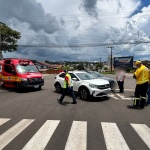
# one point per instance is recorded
(34, 120)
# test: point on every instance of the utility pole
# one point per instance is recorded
(100, 59)
(110, 57)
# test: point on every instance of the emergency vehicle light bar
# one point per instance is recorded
(24, 62)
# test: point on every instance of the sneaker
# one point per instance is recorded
(59, 101)
(132, 107)
(147, 104)
(74, 103)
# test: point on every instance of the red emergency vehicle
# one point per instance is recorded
(20, 73)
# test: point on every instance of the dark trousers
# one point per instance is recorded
(140, 94)
(121, 86)
(65, 91)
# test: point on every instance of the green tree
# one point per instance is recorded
(8, 39)
(66, 68)
(80, 67)
(99, 65)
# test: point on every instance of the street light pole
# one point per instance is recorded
(110, 57)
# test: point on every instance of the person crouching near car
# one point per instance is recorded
(68, 86)
(142, 78)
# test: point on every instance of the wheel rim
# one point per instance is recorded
(83, 94)
(57, 88)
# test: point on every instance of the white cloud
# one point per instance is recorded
(75, 25)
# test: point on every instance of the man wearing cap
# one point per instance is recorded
(142, 77)
(68, 86)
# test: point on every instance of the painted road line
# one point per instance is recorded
(42, 136)
(3, 120)
(123, 97)
(112, 96)
(14, 131)
(113, 137)
(127, 90)
(143, 131)
(77, 139)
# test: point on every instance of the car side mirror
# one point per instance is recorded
(13, 72)
(75, 79)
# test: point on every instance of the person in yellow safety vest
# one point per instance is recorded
(68, 86)
(142, 78)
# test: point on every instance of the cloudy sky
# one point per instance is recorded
(74, 30)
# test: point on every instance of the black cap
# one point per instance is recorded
(65, 71)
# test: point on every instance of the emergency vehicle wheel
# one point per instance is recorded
(39, 88)
(18, 88)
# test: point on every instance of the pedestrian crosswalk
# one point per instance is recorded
(118, 96)
(77, 136)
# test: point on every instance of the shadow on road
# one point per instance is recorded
(92, 99)
(21, 91)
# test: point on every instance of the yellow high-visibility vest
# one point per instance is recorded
(142, 75)
(70, 84)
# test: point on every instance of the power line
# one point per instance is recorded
(85, 45)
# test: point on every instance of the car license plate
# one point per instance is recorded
(107, 92)
(36, 86)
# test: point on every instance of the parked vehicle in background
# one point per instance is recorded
(84, 84)
(100, 76)
(20, 73)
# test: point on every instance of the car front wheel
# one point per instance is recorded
(84, 93)
(58, 87)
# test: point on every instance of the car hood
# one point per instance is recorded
(97, 81)
(106, 78)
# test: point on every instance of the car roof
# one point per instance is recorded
(77, 71)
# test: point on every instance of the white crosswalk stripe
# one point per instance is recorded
(119, 97)
(143, 131)
(123, 97)
(3, 120)
(10, 134)
(113, 137)
(42, 136)
(77, 137)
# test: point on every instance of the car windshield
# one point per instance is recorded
(26, 69)
(98, 74)
(85, 76)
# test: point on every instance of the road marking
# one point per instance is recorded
(10, 134)
(143, 131)
(77, 139)
(3, 120)
(113, 96)
(127, 90)
(113, 137)
(123, 97)
(42, 136)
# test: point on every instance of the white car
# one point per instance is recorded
(84, 84)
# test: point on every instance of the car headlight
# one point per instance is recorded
(93, 85)
(23, 79)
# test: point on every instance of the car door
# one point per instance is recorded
(9, 78)
(75, 83)
(61, 79)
